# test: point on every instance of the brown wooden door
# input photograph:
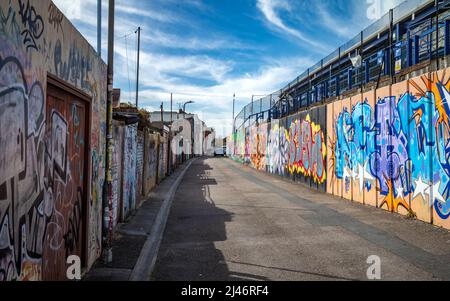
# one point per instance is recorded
(65, 175)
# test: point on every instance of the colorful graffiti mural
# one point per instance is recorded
(129, 173)
(388, 148)
(42, 144)
(397, 147)
(293, 146)
(139, 166)
(307, 149)
(277, 149)
(258, 146)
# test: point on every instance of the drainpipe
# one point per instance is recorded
(99, 27)
(107, 191)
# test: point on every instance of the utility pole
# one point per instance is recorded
(170, 134)
(171, 107)
(107, 200)
(99, 27)
(137, 68)
(234, 102)
(233, 128)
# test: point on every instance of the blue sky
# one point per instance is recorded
(207, 50)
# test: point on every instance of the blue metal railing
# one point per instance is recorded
(335, 75)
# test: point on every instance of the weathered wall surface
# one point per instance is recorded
(387, 148)
(36, 224)
(198, 136)
(128, 202)
(150, 162)
(139, 165)
(162, 158)
(117, 168)
(182, 137)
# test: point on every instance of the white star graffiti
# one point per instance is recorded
(400, 191)
(363, 175)
(346, 173)
(436, 194)
(421, 188)
(354, 174)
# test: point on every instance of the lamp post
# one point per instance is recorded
(184, 107)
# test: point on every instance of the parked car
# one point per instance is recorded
(219, 152)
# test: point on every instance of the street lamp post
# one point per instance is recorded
(184, 107)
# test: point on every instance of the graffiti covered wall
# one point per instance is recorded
(129, 171)
(139, 166)
(162, 158)
(258, 146)
(39, 150)
(388, 148)
(306, 155)
(292, 147)
(117, 168)
(277, 149)
(150, 162)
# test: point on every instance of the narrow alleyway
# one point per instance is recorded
(229, 222)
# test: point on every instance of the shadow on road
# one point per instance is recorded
(188, 251)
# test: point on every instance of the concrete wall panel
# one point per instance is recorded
(129, 171)
(400, 174)
(344, 155)
(422, 144)
(139, 166)
(330, 140)
(441, 204)
(338, 167)
(356, 145)
(150, 162)
(369, 134)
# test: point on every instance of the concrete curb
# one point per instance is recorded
(147, 259)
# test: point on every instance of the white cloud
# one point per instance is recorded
(174, 41)
(343, 29)
(72, 9)
(153, 15)
(216, 100)
(165, 73)
(157, 67)
(269, 10)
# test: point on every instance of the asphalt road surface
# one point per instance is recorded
(230, 222)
